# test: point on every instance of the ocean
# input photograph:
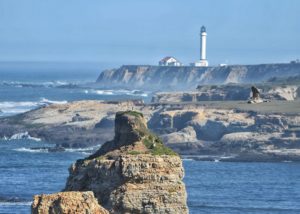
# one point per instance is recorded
(212, 187)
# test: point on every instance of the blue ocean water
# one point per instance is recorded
(213, 187)
(24, 86)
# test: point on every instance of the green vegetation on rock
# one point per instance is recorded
(134, 152)
(156, 146)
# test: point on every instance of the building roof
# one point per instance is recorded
(165, 59)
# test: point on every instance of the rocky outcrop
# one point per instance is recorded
(229, 92)
(75, 124)
(66, 203)
(187, 77)
(133, 173)
(198, 128)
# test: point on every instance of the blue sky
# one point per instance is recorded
(142, 32)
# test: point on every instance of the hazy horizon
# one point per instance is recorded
(135, 32)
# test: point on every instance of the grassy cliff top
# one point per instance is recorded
(132, 137)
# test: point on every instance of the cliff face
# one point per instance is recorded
(67, 202)
(186, 77)
(133, 173)
(229, 92)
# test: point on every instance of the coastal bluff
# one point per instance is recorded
(133, 173)
(188, 77)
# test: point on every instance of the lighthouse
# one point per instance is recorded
(203, 46)
(203, 61)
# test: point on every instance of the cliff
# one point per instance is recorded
(133, 173)
(187, 77)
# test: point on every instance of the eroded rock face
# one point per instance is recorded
(134, 173)
(67, 202)
(187, 77)
(133, 183)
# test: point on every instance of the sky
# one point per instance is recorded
(142, 32)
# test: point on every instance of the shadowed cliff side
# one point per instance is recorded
(133, 173)
(187, 77)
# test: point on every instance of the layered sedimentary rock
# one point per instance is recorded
(133, 173)
(66, 203)
(187, 77)
(229, 92)
(74, 124)
(197, 128)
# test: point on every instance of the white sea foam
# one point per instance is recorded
(9, 108)
(48, 84)
(46, 101)
(85, 151)
(117, 92)
(21, 203)
(23, 149)
(21, 136)
(187, 159)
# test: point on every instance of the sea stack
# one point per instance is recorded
(133, 173)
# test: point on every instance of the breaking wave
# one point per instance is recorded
(49, 84)
(117, 92)
(85, 151)
(23, 149)
(22, 136)
(13, 201)
(8, 108)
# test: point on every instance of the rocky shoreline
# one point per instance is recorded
(245, 132)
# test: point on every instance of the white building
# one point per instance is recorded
(203, 61)
(169, 61)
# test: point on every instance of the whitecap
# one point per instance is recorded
(22, 203)
(187, 159)
(23, 149)
(117, 92)
(46, 101)
(86, 149)
(21, 136)
(9, 108)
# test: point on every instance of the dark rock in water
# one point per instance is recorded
(56, 149)
(78, 118)
(49, 149)
(255, 92)
(255, 96)
(68, 86)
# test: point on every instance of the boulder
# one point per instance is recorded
(67, 202)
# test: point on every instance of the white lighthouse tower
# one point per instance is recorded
(203, 61)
